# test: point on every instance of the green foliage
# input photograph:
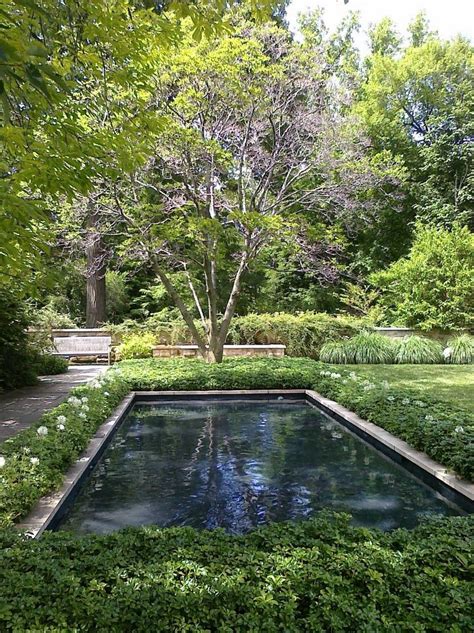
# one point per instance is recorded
(303, 333)
(49, 317)
(319, 575)
(36, 461)
(47, 364)
(16, 366)
(137, 346)
(365, 348)
(370, 348)
(432, 287)
(417, 350)
(460, 350)
(335, 353)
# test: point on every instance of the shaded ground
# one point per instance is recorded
(21, 407)
(453, 383)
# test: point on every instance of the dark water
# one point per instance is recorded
(237, 465)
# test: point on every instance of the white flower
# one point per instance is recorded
(106, 394)
(75, 402)
(2, 461)
(61, 419)
(84, 399)
(369, 386)
(334, 375)
(385, 384)
(34, 460)
(429, 418)
(447, 352)
(353, 375)
(391, 398)
(60, 427)
(419, 403)
(344, 382)
(459, 429)
(85, 407)
(82, 415)
(405, 401)
(42, 430)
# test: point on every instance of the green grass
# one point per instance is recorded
(452, 383)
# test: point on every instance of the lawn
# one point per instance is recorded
(453, 383)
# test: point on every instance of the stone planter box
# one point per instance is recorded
(192, 351)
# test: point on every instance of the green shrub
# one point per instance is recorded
(137, 346)
(336, 353)
(48, 365)
(370, 348)
(319, 575)
(416, 350)
(303, 334)
(460, 350)
(16, 357)
(432, 287)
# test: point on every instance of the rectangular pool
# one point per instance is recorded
(239, 464)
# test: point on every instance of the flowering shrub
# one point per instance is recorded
(33, 462)
(318, 575)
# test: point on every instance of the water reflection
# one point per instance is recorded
(241, 464)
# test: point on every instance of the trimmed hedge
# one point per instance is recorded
(318, 575)
(34, 461)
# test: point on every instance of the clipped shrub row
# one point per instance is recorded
(372, 348)
(318, 575)
(33, 462)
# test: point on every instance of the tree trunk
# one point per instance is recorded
(96, 269)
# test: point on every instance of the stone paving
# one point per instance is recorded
(21, 407)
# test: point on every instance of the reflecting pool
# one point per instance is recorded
(239, 464)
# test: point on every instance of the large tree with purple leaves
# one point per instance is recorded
(252, 152)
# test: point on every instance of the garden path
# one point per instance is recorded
(21, 407)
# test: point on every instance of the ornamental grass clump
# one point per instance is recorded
(460, 350)
(369, 348)
(417, 350)
(335, 352)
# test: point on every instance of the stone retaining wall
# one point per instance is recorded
(191, 351)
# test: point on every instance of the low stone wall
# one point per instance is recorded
(400, 332)
(192, 351)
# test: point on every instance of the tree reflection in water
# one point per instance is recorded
(237, 465)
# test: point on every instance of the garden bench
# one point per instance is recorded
(77, 346)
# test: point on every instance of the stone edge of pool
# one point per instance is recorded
(50, 508)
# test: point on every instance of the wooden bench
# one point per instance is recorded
(81, 346)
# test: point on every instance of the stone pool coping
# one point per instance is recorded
(49, 508)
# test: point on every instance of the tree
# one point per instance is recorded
(418, 107)
(51, 49)
(432, 286)
(250, 146)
